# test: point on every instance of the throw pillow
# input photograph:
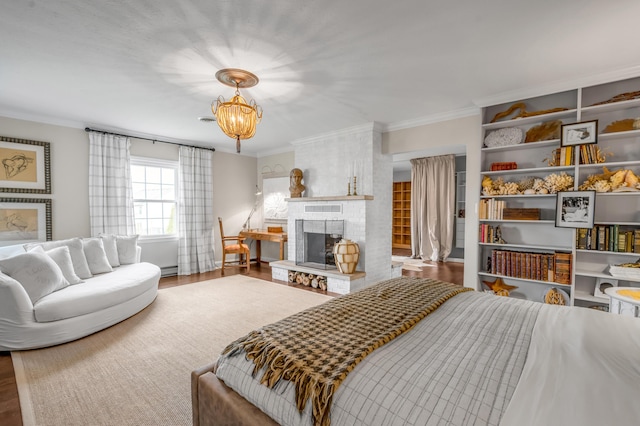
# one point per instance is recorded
(76, 251)
(111, 248)
(37, 272)
(62, 257)
(96, 256)
(127, 249)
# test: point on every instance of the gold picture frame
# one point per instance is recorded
(24, 220)
(25, 166)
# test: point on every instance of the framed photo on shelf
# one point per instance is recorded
(575, 209)
(24, 220)
(26, 166)
(583, 133)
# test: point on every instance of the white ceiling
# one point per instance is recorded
(146, 67)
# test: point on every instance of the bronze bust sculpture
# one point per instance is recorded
(296, 188)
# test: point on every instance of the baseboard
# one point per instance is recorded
(454, 259)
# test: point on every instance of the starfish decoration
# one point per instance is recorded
(499, 286)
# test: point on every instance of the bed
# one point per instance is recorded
(466, 358)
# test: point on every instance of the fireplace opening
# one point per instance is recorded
(315, 240)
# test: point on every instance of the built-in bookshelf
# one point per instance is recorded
(401, 234)
(514, 248)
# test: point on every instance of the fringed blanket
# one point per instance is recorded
(315, 349)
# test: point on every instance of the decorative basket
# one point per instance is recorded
(346, 254)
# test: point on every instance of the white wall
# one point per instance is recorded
(461, 131)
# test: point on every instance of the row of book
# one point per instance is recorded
(551, 267)
(491, 209)
(565, 156)
(608, 238)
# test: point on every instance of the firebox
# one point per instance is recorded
(315, 240)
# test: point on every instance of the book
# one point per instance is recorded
(581, 243)
(562, 267)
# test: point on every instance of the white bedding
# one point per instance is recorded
(481, 360)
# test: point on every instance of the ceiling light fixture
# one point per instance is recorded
(236, 117)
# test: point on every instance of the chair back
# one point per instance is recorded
(221, 229)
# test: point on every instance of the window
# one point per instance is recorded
(155, 192)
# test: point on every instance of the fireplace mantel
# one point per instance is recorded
(331, 198)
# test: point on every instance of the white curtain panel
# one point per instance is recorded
(432, 206)
(195, 245)
(110, 193)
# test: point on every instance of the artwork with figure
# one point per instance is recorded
(26, 166)
(575, 209)
(18, 165)
(18, 224)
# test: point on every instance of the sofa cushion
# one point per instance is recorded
(62, 257)
(36, 272)
(96, 256)
(127, 248)
(76, 250)
(111, 249)
(97, 293)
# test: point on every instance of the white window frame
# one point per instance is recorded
(167, 164)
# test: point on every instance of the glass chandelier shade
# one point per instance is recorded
(236, 117)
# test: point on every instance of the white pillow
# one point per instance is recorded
(127, 249)
(96, 257)
(37, 272)
(76, 251)
(111, 248)
(61, 256)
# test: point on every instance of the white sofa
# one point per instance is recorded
(49, 295)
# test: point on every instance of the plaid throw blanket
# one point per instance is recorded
(315, 349)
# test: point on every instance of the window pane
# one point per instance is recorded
(168, 209)
(138, 190)
(154, 191)
(141, 227)
(168, 176)
(154, 210)
(168, 192)
(154, 175)
(137, 173)
(155, 227)
(140, 210)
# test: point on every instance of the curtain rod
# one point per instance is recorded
(88, 129)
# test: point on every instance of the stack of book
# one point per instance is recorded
(564, 156)
(589, 154)
(608, 238)
(491, 209)
(550, 267)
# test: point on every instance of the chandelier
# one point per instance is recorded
(236, 117)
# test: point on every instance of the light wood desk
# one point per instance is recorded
(260, 235)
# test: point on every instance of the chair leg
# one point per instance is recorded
(247, 258)
(223, 259)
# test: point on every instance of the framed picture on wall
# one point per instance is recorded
(575, 209)
(26, 166)
(24, 219)
(583, 133)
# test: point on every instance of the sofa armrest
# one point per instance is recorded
(15, 304)
(138, 253)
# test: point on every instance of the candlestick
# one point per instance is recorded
(354, 186)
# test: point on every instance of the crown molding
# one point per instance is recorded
(368, 127)
(558, 86)
(434, 118)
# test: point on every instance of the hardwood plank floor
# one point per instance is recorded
(10, 405)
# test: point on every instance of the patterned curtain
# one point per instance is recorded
(110, 194)
(195, 245)
(432, 206)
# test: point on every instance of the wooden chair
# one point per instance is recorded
(239, 248)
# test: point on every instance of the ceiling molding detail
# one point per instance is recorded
(559, 86)
(369, 127)
(431, 119)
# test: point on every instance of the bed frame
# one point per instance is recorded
(214, 403)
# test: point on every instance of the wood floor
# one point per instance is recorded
(10, 404)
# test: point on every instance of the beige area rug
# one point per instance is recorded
(138, 371)
(410, 264)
